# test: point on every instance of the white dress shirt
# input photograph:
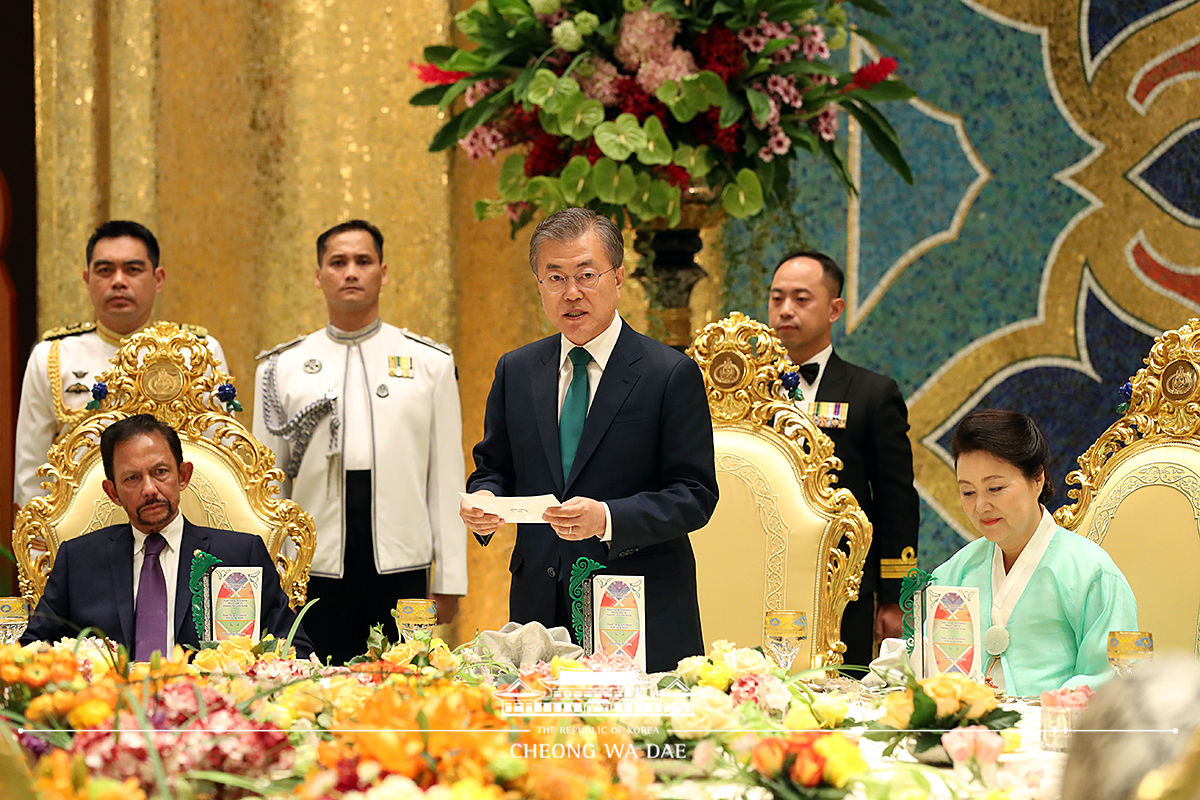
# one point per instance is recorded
(169, 559)
(810, 389)
(600, 348)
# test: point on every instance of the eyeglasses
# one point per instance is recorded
(556, 283)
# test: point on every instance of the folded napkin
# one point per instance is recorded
(528, 643)
(890, 667)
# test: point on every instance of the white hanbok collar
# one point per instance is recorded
(1007, 588)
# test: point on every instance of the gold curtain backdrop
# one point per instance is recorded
(239, 131)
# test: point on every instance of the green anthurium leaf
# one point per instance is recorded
(714, 88)
(575, 185)
(512, 181)
(664, 198)
(549, 122)
(541, 86)
(694, 94)
(564, 90)
(696, 160)
(613, 184)
(760, 106)
(545, 192)
(512, 8)
(620, 138)
(668, 93)
(658, 147)
(640, 202)
(744, 196)
(580, 115)
(465, 61)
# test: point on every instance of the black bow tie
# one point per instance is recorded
(809, 372)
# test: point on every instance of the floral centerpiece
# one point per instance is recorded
(630, 106)
(930, 707)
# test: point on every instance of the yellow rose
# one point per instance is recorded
(829, 709)
(743, 661)
(842, 759)
(1012, 741)
(443, 659)
(402, 653)
(689, 668)
(711, 710)
(897, 709)
(558, 664)
(718, 676)
(946, 691)
(801, 718)
(979, 700)
(90, 714)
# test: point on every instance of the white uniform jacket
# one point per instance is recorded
(415, 440)
(56, 390)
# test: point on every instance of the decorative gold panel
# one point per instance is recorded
(1164, 404)
(168, 372)
(741, 360)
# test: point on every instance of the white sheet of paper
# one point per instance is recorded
(513, 509)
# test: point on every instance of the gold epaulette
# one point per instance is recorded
(198, 331)
(896, 568)
(279, 348)
(68, 330)
(425, 340)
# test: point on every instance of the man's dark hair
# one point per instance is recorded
(116, 228)
(833, 273)
(346, 227)
(568, 224)
(1009, 436)
(137, 425)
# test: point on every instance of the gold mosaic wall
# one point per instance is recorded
(237, 132)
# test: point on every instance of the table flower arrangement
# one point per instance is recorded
(928, 708)
(630, 106)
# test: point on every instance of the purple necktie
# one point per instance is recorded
(151, 613)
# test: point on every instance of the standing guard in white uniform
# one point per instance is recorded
(123, 277)
(365, 422)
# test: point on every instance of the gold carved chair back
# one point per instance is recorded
(170, 373)
(1138, 492)
(781, 538)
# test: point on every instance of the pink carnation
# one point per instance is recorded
(644, 35)
(676, 65)
(483, 140)
(764, 690)
(1067, 698)
(601, 84)
(604, 662)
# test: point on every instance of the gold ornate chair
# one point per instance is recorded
(170, 373)
(782, 538)
(1138, 492)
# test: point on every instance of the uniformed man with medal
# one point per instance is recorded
(365, 422)
(865, 415)
(123, 276)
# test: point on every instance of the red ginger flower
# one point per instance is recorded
(720, 51)
(877, 71)
(432, 73)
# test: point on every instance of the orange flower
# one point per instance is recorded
(40, 708)
(10, 674)
(808, 767)
(768, 756)
(35, 675)
(63, 671)
(90, 714)
(63, 702)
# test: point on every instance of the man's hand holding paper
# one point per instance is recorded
(578, 518)
(483, 512)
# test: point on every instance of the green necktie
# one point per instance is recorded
(574, 408)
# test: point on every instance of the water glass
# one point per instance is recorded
(784, 633)
(1128, 649)
(13, 619)
(413, 616)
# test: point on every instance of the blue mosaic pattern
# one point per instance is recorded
(1175, 176)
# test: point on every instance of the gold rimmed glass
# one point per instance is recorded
(13, 619)
(415, 615)
(1128, 649)
(784, 633)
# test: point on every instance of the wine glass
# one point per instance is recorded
(13, 619)
(1128, 649)
(783, 635)
(414, 615)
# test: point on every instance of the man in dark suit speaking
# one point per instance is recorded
(130, 581)
(611, 422)
(869, 430)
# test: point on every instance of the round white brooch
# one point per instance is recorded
(995, 640)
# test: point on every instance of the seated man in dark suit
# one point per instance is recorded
(115, 579)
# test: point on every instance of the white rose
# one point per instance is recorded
(743, 661)
(712, 710)
(689, 669)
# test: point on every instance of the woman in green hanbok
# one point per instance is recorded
(1047, 597)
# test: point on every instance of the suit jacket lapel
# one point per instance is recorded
(120, 565)
(544, 387)
(616, 382)
(193, 539)
(835, 383)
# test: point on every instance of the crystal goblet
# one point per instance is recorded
(1128, 649)
(13, 619)
(784, 633)
(414, 615)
